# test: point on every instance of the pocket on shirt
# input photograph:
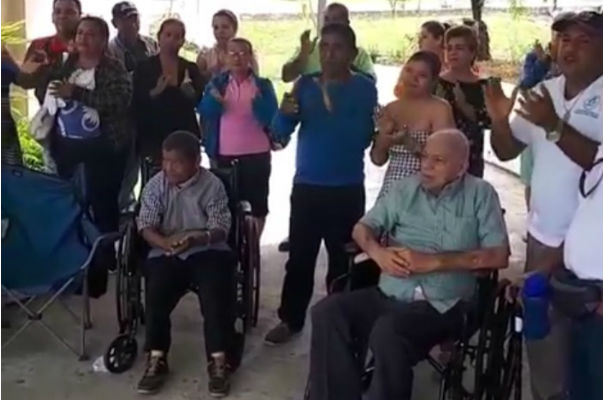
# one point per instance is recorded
(463, 233)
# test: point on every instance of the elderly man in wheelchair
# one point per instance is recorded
(185, 219)
(443, 226)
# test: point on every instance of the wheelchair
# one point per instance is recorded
(485, 361)
(243, 239)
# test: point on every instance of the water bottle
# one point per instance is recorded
(99, 365)
(536, 297)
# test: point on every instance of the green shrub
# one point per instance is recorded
(32, 152)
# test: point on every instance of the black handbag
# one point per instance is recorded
(574, 297)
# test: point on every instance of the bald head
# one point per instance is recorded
(445, 158)
(336, 13)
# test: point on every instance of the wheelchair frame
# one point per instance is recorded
(244, 241)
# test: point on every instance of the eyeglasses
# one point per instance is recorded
(237, 53)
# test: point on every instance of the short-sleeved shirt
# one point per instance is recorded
(362, 63)
(200, 203)
(465, 216)
(583, 248)
(555, 176)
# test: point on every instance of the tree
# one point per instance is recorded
(477, 7)
(393, 5)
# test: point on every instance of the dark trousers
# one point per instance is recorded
(317, 213)
(586, 358)
(398, 334)
(211, 275)
(104, 169)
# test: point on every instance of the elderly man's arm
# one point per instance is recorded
(366, 235)
(218, 217)
(149, 217)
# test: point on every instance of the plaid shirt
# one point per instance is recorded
(403, 162)
(110, 98)
(201, 203)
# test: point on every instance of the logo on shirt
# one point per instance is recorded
(590, 107)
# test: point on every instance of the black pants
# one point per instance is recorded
(211, 274)
(398, 334)
(317, 213)
(104, 169)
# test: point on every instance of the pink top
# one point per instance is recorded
(240, 132)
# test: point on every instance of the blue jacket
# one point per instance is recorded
(264, 108)
(533, 71)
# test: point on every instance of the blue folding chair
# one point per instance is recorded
(48, 246)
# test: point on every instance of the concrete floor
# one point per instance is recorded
(36, 367)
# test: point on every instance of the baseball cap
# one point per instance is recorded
(124, 9)
(590, 20)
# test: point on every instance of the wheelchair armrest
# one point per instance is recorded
(354, 252)
(244, 207)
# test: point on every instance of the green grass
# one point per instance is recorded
(276, 41)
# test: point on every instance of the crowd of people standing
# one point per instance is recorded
(109, 104)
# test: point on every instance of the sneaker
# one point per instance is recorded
(219, 378)
(283, 247)
(281, 333)
(154, 375)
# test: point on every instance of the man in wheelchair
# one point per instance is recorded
(443, 226)
(184, 217)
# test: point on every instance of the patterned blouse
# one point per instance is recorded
(402, 161)
(474, 130)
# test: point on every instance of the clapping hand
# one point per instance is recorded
(498, 105)
(162, 83)
(307, 45)
(35, 62)
(538, 109)
(61, 89)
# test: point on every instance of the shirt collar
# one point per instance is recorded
(190, 182)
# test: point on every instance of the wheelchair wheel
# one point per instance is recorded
(250, 272)
(128, 282)
(498, 354)
(121, 354)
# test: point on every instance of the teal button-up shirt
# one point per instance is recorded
(465, 216)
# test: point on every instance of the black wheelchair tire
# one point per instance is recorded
(121, 354)
(250, 271)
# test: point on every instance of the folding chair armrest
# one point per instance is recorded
(103, 239)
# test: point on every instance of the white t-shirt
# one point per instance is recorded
(555, 176)
(583, 248)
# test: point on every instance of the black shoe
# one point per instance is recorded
(280, 334)
(154, 375)
(283, 246)
(219, 378)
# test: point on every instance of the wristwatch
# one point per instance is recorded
(553, 135)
